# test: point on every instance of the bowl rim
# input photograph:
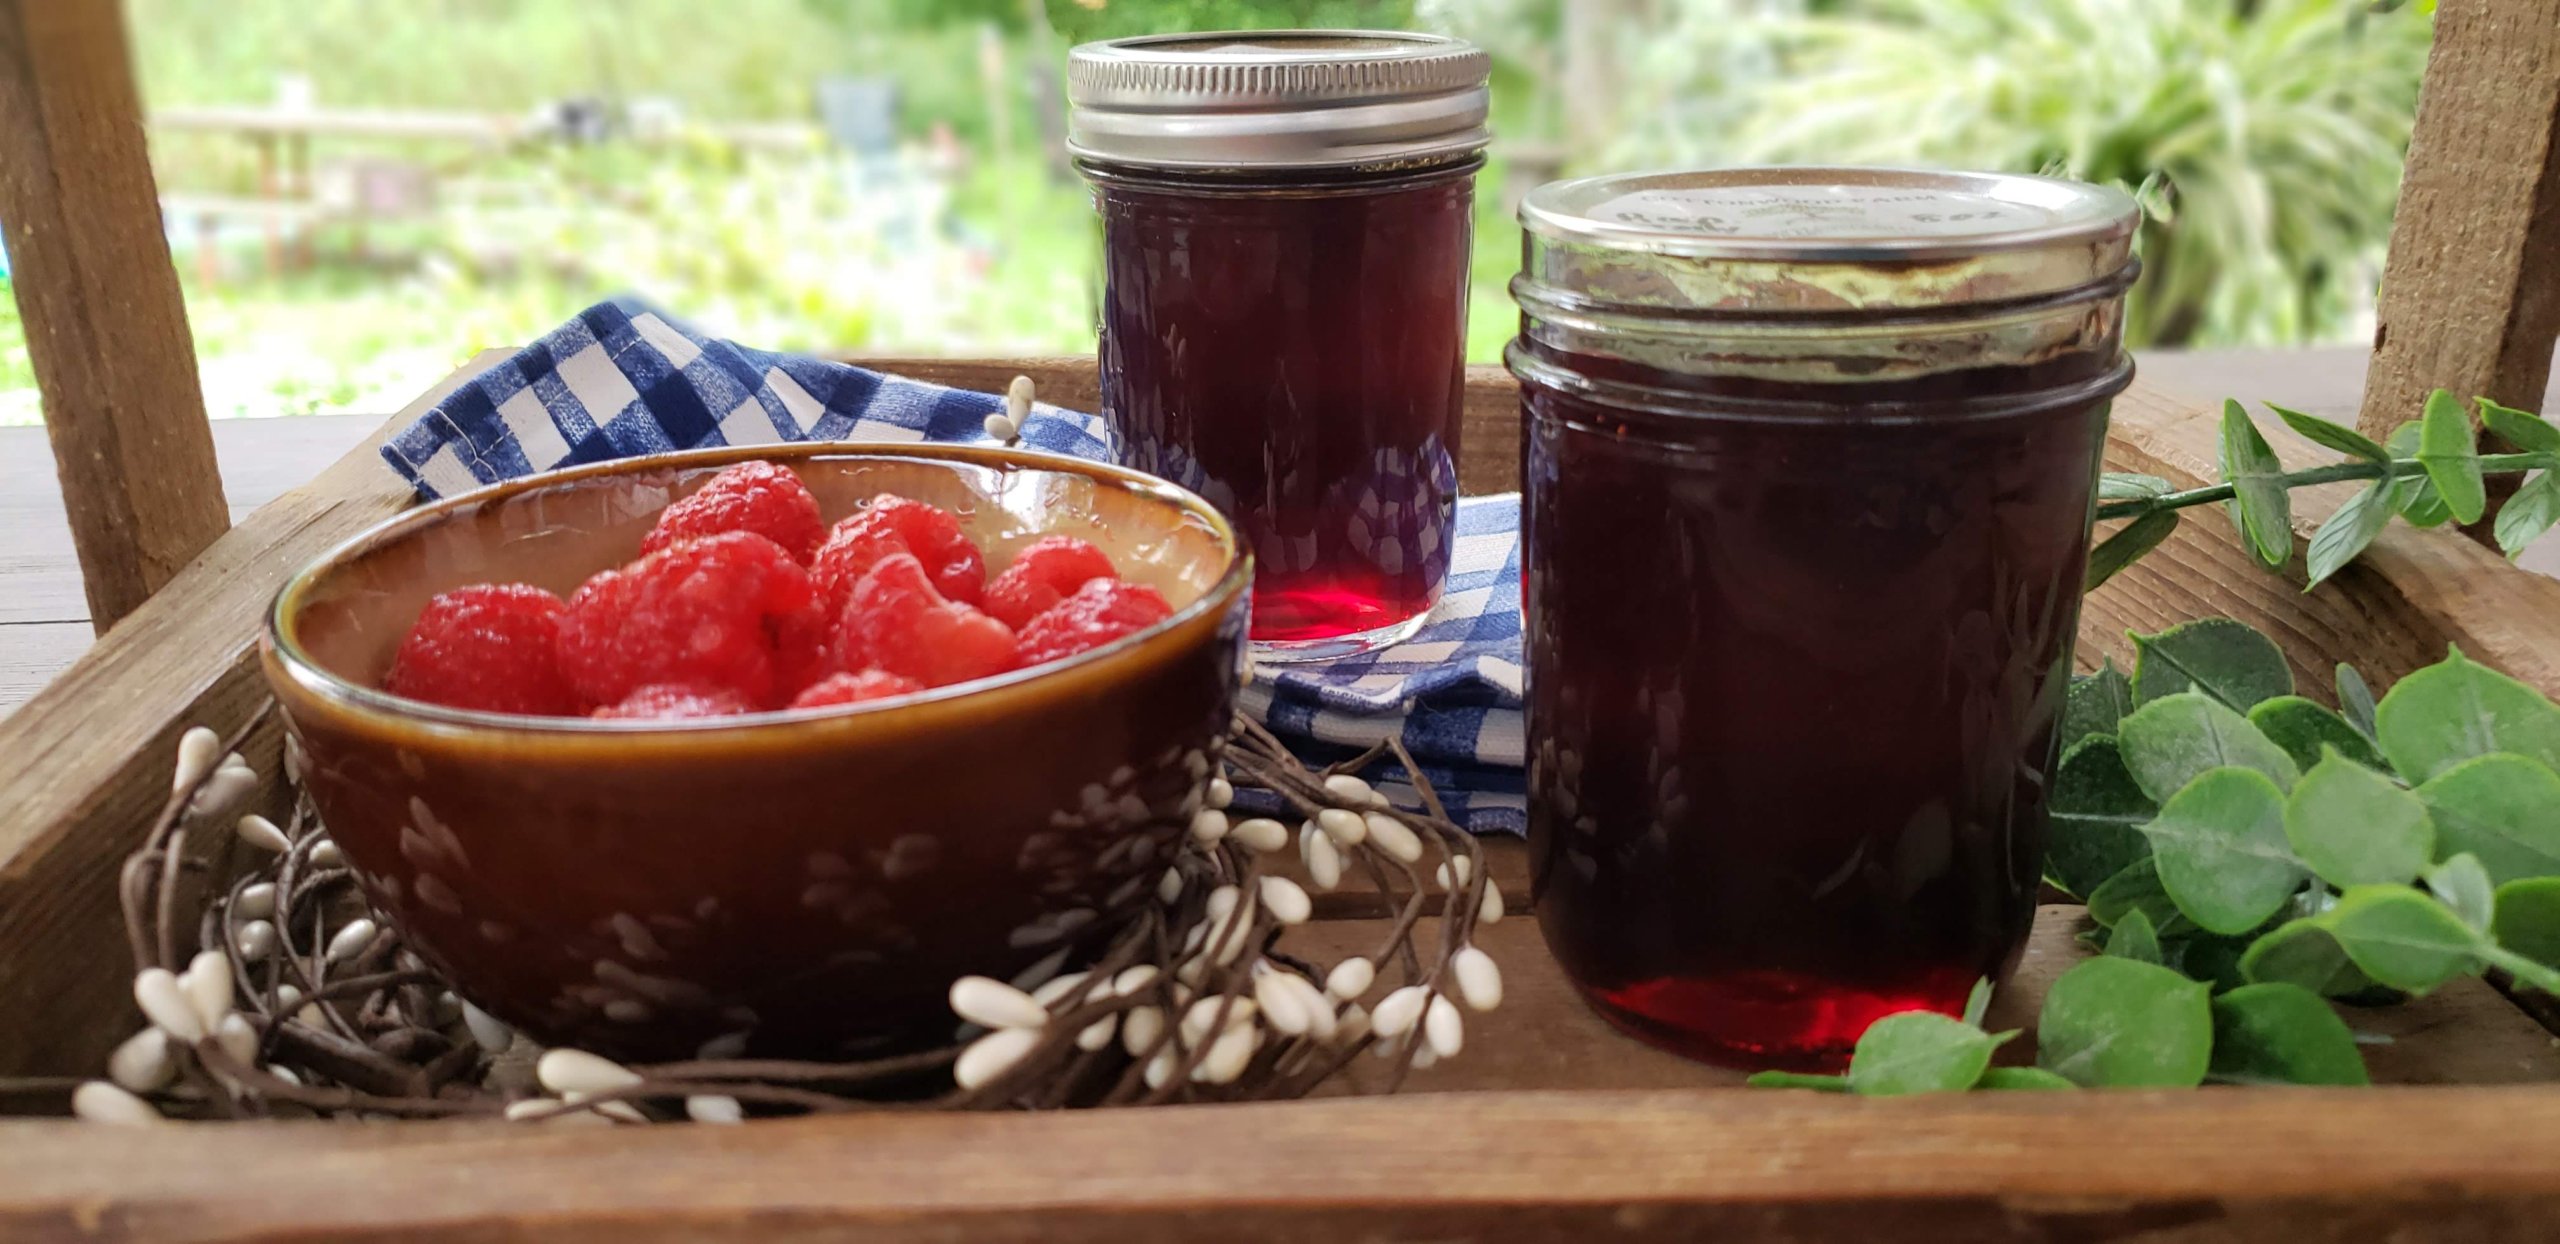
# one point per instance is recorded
(354, 696)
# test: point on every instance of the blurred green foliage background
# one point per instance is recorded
(2266, 134)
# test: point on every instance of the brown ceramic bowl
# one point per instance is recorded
(805, 882)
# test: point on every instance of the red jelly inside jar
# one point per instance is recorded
(1283, 313)
(1803, 584)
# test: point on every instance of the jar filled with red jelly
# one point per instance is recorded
(1286, 224)
(1811, 457)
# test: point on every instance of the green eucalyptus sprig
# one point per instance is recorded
(2248, 856)
(2428, 472)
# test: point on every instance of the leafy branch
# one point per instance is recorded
(2430, 471)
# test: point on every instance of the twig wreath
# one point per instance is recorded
(285, 995)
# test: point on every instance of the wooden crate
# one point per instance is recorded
(1550, 1126)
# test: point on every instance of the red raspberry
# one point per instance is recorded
(1041, 575)
(909, 629)
(855, 688)
(1101, 611)
(895, 524)
(804, 651)
(711, 614)
(760, 497)
(671, 703)
(489, 647)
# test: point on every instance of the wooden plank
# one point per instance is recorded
(2471, 293)
(31, 653)
(2333, 1166)
(262, 459)
(106, 329)
(89, 755)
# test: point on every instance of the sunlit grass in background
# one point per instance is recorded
(2279, 124)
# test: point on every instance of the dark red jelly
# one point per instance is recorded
(1803, 579)
(1794, 717)
(1286, 222)
(1297, 357)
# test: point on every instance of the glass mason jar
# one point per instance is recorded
(1286, 225)
(1810, 466)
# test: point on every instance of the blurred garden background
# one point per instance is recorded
(360, 195)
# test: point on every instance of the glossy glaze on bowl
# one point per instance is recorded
(810, 881)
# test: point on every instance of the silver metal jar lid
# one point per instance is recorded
(1305, 99)
(1816, 238)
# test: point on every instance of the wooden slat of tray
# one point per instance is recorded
(2351, 1165)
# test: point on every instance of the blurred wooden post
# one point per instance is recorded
(106, 328)
(2471, 295)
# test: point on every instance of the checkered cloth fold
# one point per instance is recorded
(624, 378)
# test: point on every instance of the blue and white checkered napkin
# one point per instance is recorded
(624, 378)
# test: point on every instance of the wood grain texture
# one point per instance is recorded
(31, 653)
(261, 459)
(2301, 1167)
(106, 329)
(89, 756)
(2471, 292)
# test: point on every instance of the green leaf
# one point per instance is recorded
(2528, 918)
(2529, 513)
(2126, 486)
(1920, 1052)
(2337, 436)
(2463, 886)
(2347, 532)
(2095, 818)
(2524, 430)
(2220, 848)
(2354, 826)
(2303, 728)
(2456, 709)
(2282, 1034)
(1978, 1003)
(2116, 1023)
(2126, 546)
(2168, 742)
(2449, 450)
(2134, 938)
(1798, 1080)
(2095, 703)
(2214, 959)
(2303, 953)
(2500, 807)
(2259, 504)
(2137, 888)
(2217, 656)
(2401, 937)
(2355, 699)
(2014, 1078)
(2415, 496)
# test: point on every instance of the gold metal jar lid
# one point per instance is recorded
(1305, 99)
(1820, 238)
